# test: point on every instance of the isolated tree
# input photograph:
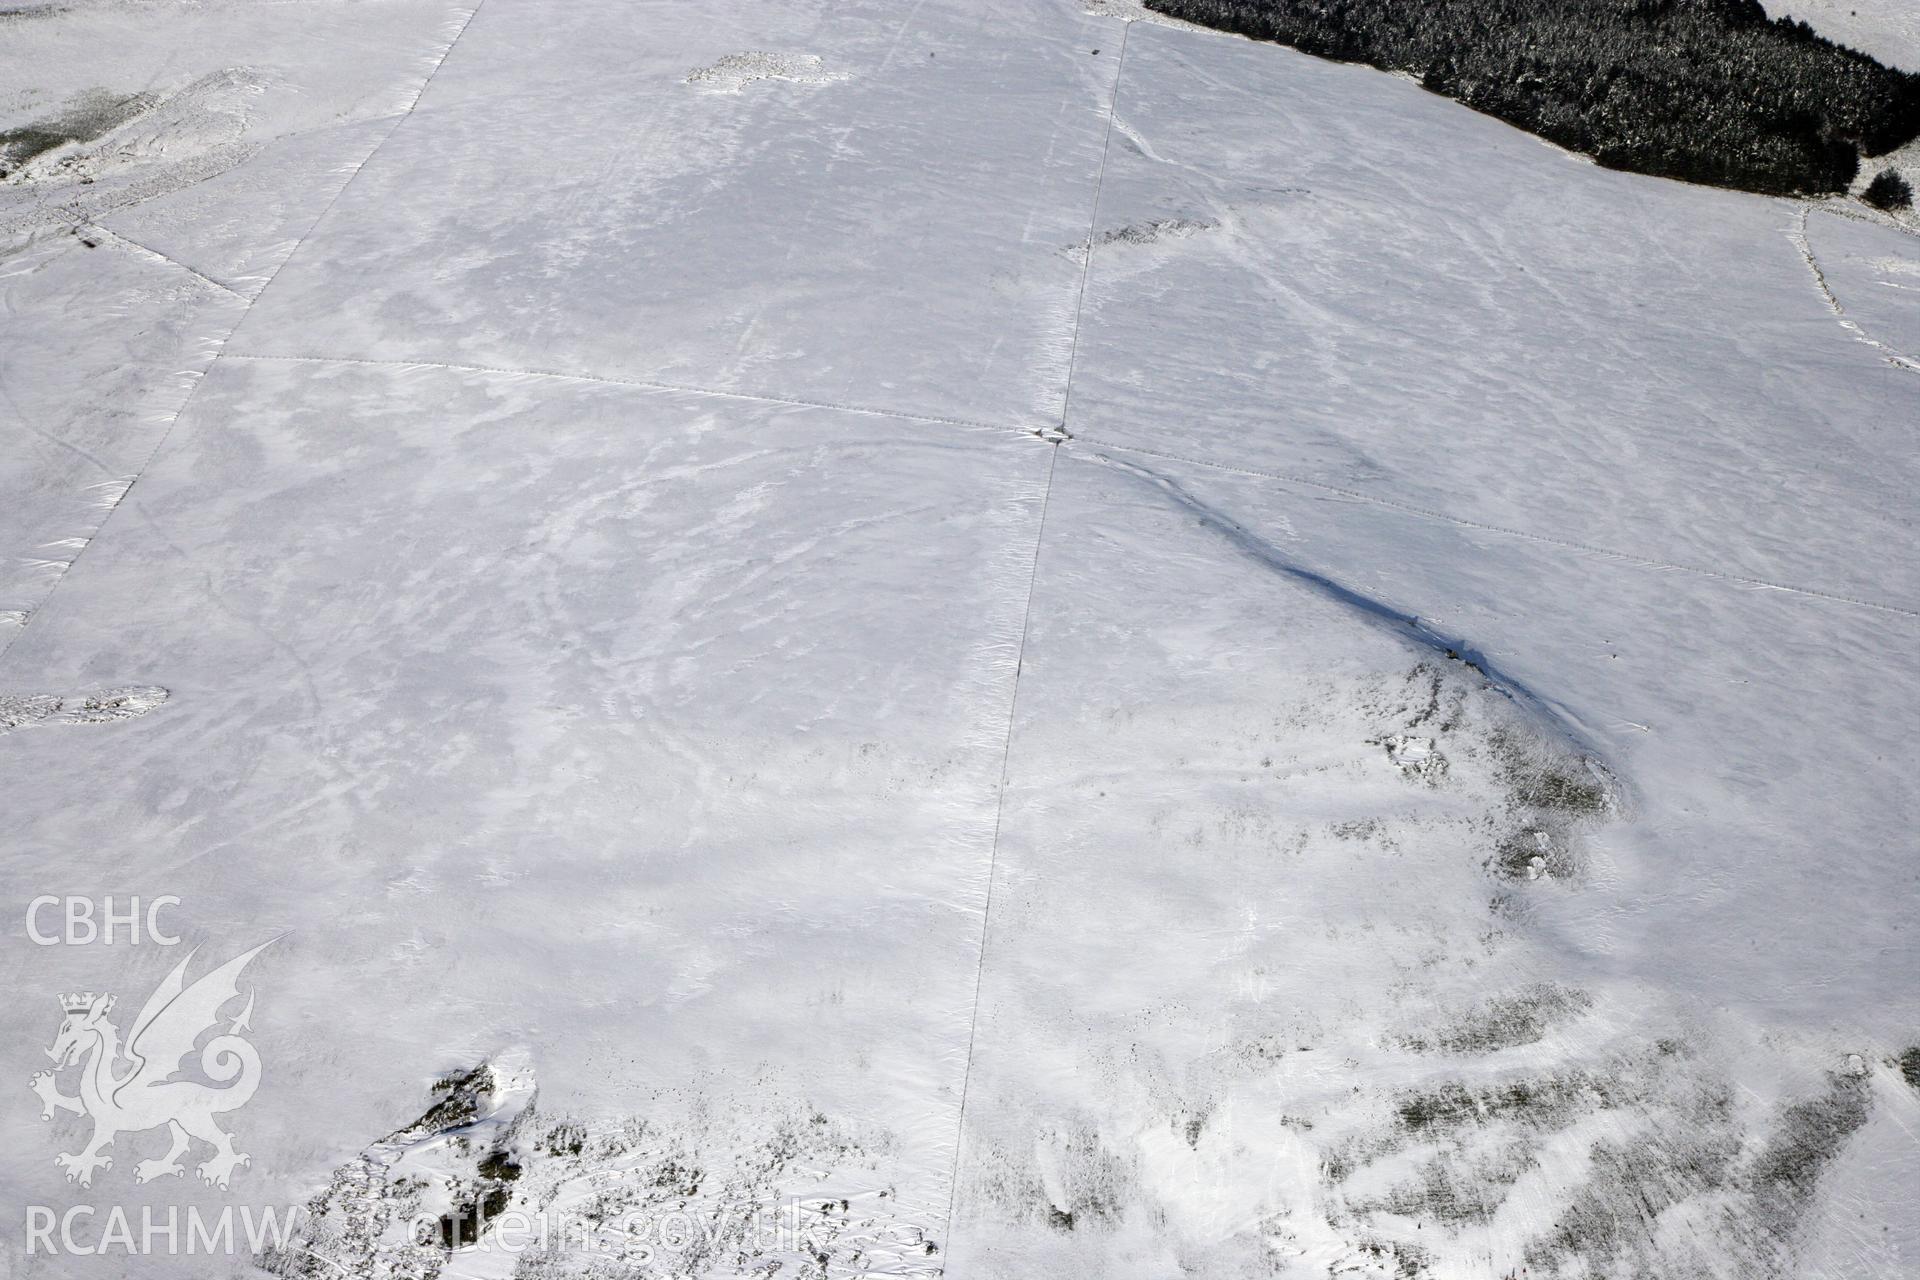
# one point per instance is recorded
(1888, 190)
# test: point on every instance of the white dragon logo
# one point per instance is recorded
(146, 1095)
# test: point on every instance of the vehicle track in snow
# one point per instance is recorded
(1052, 434)
(993, 856)
(1055, 438)
(1093, 227)
(87, 226)
(1798, 234)
(649, 384)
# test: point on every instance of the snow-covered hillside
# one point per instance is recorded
(972, 638)
(1888, 29)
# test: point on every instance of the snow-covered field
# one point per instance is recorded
(965, 638)
(1888, 29)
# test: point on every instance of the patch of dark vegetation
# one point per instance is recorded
(1408, 1261)
(1889, 191)
(1910, 1066)
(565, 1138)
(1429, 698)
(90, 116)
(345, 1231)
(1544, 1102)
(1530, 854)
(1811, 1133)
(499, 1166)
(1560, 791)
(1423, 686)
(1555, 781)
(462, 1101)
(1077, 1184)
(17, 146)
(1605, 1228)
(678, 1180)
(1447, 1191)
(1505, 1022)
(464, 1225)
(1709, 91)
(1152, 232)
(1556, 792)
(1629, 1184)
(1675, 1175)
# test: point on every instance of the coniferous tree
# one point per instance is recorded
(1888, 190)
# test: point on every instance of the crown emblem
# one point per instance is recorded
(77, 1002)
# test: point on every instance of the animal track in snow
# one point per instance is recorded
(21, 710)
(736, 70)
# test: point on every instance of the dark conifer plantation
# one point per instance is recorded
(1709, 91)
